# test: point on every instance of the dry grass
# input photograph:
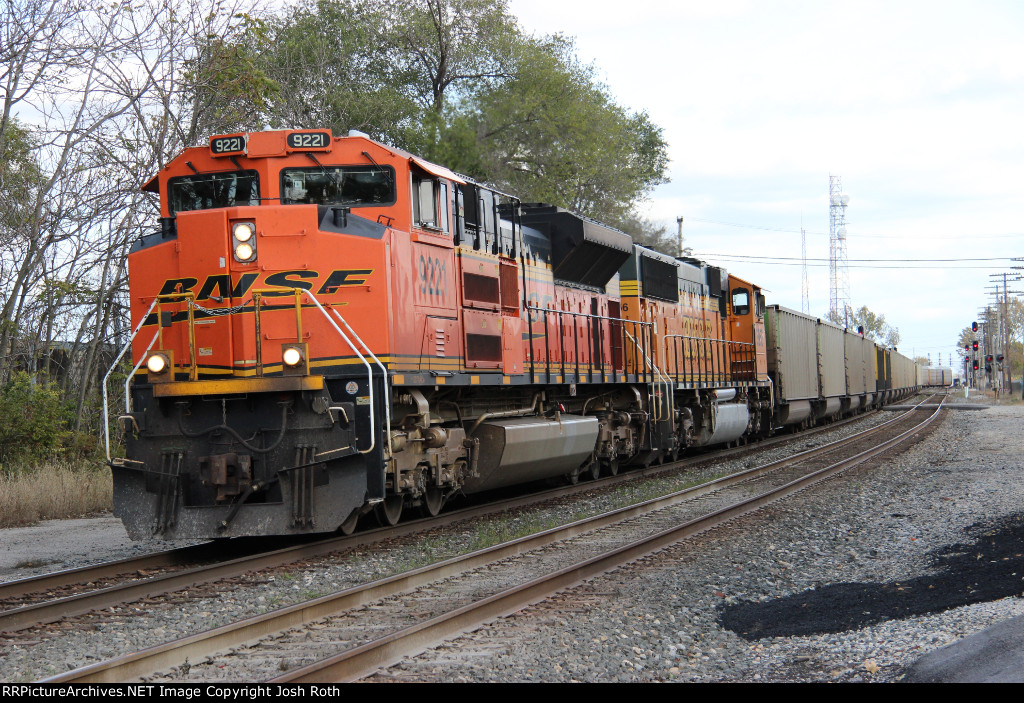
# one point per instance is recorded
(52, 490)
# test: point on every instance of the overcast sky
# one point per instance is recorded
(917, 106)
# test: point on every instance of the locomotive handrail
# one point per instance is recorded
(666, 381)
(188, 298)
(710, 344)
(383, 370)
(167, 297)
(106, 378)
(369, 369)
(589, 316)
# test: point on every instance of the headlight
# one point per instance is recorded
(243, 252)
(156, 363)
(292, 356)
(244, 231)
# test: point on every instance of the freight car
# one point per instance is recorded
(821, 372)
(934, 376)
(325, 327)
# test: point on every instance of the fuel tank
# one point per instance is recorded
(521, 449)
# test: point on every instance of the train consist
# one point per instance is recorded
(327, 326)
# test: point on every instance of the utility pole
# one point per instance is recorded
(679, 221)
(1003, 331)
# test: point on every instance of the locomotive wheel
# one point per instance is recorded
(433, 501)
(612, 465)
(389, 512)
(594, 470)
(349, 526)
(573, 477)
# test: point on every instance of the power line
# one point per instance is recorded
(873, 267)
(889, 261)
(957, 237)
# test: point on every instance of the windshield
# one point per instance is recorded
(354, 186)
(211, 190)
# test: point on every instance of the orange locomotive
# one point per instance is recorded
(328, 326)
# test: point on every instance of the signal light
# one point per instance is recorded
(975, 365)
(975, 346)
(988, 359)
(974, 327)
(999, 358)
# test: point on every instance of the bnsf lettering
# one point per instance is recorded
(341, 278)
(284, 280)
(220, 285)
(178, 285)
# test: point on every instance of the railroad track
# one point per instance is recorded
(32, 602)
(381, 622)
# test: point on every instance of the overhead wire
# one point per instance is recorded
(956, 237)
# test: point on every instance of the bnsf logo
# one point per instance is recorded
(221, 286)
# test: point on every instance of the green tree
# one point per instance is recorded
(225, 80)
(451, 46)
(875, 327)
(552, 133)
(457, 82)
(34, 419)
(335, 63)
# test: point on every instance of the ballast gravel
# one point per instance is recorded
(665, 618)
(891, 523)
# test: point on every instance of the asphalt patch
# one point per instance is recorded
(989, 567)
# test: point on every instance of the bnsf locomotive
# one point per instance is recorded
(325, 327)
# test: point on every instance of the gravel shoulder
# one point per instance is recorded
(56, 545)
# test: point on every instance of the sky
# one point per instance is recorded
(918, 107)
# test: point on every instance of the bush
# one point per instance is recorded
(33, 419)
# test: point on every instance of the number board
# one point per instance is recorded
(309, 141)
(228, 145)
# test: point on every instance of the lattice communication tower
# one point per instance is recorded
(805, 287)
(838, 263)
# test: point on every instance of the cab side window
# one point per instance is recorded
(740, 301)
(425, 203)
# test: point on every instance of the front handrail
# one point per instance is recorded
(369, 371)
(384, 375)
(188, 298)
(106, 377)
